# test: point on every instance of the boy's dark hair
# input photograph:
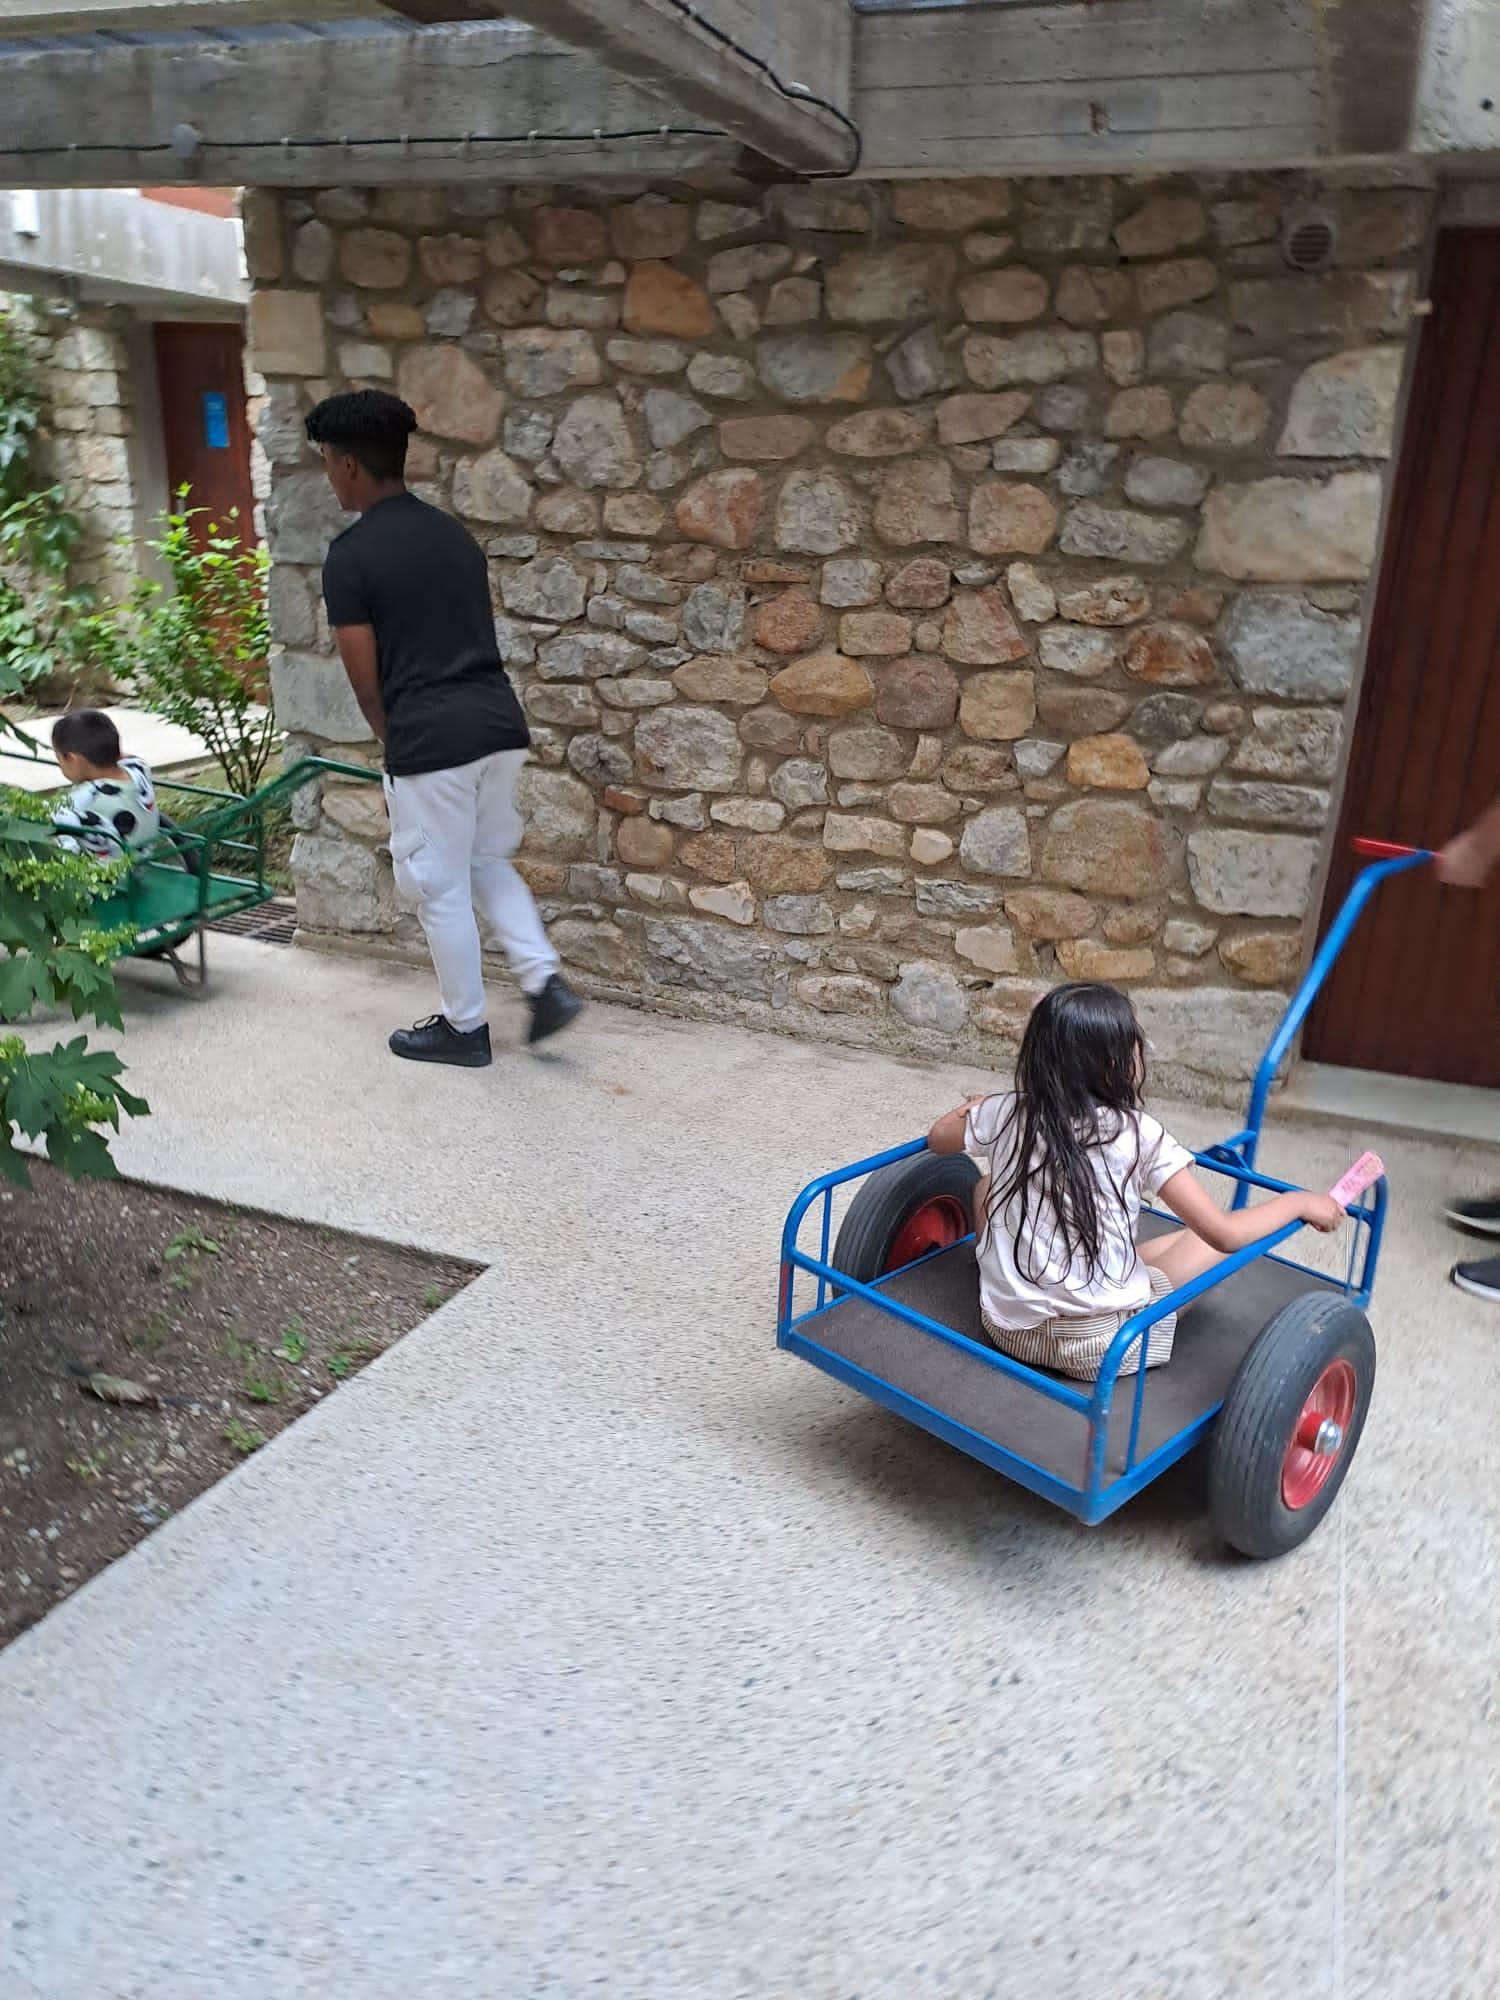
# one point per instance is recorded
(370, 424)
(87, 733)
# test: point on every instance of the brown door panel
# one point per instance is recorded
(1417, 989)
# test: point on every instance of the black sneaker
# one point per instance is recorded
(437, 1040)
(1482, 1279)
(552, 1008)
(1482, 1215)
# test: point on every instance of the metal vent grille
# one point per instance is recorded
(1307, 241)
(271, 923)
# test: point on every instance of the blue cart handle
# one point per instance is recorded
(1386, 858)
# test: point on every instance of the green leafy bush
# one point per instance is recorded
(20, 416)
(56, 955)
(194, 650)
(44, 622)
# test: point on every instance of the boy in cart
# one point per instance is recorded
(110, 808)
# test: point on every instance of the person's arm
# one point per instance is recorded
(356, 644)
(1230, 1231)
(347, 601)
(950, 1133)
(1469, 858)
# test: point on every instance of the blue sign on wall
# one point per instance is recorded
(215, 420)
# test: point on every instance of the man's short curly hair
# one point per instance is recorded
(370, 424)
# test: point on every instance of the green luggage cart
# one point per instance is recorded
(194, 876)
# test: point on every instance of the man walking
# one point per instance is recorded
(408, 598)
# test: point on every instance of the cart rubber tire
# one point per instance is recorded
(891, 1198)
(1316, 1339)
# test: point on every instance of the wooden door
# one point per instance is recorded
(200, 370)
(1417, 989)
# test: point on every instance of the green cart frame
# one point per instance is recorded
(182, 883)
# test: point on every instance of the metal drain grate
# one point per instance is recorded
(270, 923)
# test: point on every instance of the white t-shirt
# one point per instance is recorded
(108, 817)
(1020, 1285)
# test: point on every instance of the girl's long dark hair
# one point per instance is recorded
(1078, 1079)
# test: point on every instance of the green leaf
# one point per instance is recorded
(82, 1155)
(24, 984)
(292, 1346)
(13, 1163)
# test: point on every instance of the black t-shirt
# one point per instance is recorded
(420, 579)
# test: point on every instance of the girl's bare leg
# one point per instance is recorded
(1182, 1255)
(981, 1196)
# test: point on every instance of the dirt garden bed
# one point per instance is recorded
(230, 1324)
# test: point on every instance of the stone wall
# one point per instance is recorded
(103, 446)
(918, 592)
(82, 356)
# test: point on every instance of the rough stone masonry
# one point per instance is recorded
(81, 360)
(920, 592)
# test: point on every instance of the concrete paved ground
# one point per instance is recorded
(585, 1645)
(1408, 1103)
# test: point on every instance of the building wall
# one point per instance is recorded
(96, 367)
(919, 592)
(1458, 86)
(85, 371)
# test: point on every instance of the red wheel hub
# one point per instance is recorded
(1319, 1434)
(937, 1225)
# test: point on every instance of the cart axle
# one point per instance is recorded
(1322, 1436)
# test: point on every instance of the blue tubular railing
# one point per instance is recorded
(1097, 1405)
(794, 1260)
(1137, 1328)
(1393, 861)
(1233, 1158)
(1056, 1392)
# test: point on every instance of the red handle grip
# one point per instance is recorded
(1383, 850)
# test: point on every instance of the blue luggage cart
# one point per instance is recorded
(1274, 1362)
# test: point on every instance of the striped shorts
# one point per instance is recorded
(1076, 1347)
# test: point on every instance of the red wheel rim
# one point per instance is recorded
(1319, 1435)
(937, 1225)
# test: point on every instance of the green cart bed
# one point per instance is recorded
(197, 874)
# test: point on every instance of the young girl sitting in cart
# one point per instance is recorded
(1071, 1158)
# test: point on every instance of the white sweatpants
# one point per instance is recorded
(452, 835)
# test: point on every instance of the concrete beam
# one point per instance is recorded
(657, 43)
(1372, 54)
(79, 17)
(275, 113)
(1458, 92)
(808, 42)
(108, 243)
(1073, 84)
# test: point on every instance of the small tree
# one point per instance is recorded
(194, 649)
(56, 956)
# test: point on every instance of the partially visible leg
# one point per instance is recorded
(500, 895)
(1182, 1255)
(1479, 1214)
(504, 901)
(981, 1203)
(432, 841)
(1480, 1278)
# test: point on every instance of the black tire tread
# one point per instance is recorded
(1249, 1440)
(885, 1201)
